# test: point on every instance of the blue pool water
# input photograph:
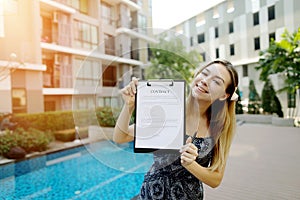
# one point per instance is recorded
(101, 170)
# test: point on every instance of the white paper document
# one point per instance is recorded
(160, 115)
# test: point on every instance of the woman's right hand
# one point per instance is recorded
(128, 92)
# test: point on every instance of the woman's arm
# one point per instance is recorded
(205, 175)
(122, 131)
(189, 153)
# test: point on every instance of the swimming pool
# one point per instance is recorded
(101, 170)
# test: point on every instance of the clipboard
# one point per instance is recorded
(159, 115)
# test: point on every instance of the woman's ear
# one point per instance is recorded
(224, 97)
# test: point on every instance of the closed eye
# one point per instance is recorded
(204, 73)
(217, 82)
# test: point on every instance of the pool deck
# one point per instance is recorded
(264, 163)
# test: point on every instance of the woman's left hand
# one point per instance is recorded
(189, 153)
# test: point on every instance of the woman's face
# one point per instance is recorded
(211, 83)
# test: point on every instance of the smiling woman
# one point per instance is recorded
(210, 123)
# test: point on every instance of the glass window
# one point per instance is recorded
(19, 100)
(83, 6)
(272, 37)
(230, 26)
(142, 23)
(107, 13)
(256, 43)
(87, 72)
(109, 76)
(271, 13)
(201, 38)
(245, 70)
(255, 18)
(217, 53)
(216, 32)
(85, 35)
(232, 50)
(80, 5)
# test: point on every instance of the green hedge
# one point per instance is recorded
(53, 121)
(61, 120)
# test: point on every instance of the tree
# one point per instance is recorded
(170, 60)
(270, 102)
(254, 99)
(283, 57)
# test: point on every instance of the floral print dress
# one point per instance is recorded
(167, 179)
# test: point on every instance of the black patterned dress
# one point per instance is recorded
(167, 179)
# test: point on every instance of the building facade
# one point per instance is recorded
(70, 54)
(237, 30)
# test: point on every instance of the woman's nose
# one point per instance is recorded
(203, 82)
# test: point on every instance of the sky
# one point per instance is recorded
(167, 13)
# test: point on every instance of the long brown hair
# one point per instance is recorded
(221, 117)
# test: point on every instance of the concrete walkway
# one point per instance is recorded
(264, 163)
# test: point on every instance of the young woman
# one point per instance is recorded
(210, 124)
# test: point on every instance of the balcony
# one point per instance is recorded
(135, 34)
(133, 6)
(97, 55)
(54, 6)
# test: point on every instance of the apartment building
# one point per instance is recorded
(237, 30)
(70, 54)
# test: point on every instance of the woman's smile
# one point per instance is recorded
(201, 88)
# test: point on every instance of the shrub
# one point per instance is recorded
(238, 105)
(270, 102)
(107, 116)
(7, 141)
(30, 140)
(254, 99)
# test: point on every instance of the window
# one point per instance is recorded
(109, 41)
(245, 70)
(19, 100)
(107, 13)
(272, 37)
(149, 52)
(142, 23)
(87, 72)
(216, 32)
(230, 26)
(256, 43)
(271, 13)
(191, 41)
(232, 49)
(81, 5)
(46, 29)
(109, 76)
(255, 19)
(201, 38)
(86, 35)
(217, 53)
(203, 56)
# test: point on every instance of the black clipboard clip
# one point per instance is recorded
(160, 80)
